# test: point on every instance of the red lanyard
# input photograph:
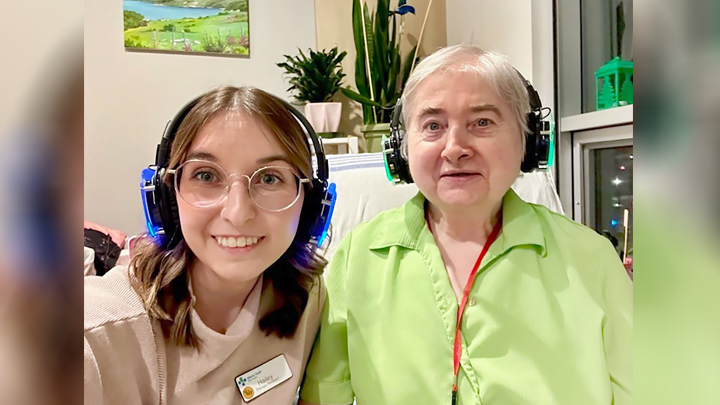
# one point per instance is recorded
(457, 349)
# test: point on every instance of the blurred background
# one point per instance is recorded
(677, 280)
(41, 133)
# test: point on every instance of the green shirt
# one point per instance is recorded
(549, 320)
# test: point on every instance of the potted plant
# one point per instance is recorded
(315, 79)
(380, 69)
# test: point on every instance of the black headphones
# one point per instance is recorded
(160, 205)
(538, 148)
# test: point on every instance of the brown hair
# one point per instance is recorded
(161, 276)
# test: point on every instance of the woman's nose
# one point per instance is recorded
(239, 206)
(457, 146)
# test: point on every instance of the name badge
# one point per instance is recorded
(263, 378)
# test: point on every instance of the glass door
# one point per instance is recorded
(610, 191)
(603, 185)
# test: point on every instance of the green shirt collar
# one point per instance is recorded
(521, 226)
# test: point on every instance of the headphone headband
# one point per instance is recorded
(535, 103)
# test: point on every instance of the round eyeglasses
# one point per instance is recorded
(204, 184)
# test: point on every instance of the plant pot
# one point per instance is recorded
(324, 117)
(300, 105)
(373, 136)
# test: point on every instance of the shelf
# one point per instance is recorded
(347, 144)
(598, 119)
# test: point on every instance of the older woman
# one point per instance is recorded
(544, 304)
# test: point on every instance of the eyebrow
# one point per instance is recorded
(200, 155)
(274, 158)
(429, 111)
(486, 107)
(475, 109)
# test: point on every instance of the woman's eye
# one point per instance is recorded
(204, 176)
(483, 122)
(270, 179)
(433, 126)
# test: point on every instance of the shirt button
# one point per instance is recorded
(471, 302)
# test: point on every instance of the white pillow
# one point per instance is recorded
(89, 262)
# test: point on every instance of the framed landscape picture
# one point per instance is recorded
(206, 27)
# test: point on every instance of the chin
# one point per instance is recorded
(237, 271)
(460, 197)
(458, 202)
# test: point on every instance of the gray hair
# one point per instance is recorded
(504, 79)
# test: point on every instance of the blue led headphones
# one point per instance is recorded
(160, 204)
(539, 145)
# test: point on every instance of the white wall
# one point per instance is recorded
(503, 26)
(543, 73)
(130, 96)
(520, 29)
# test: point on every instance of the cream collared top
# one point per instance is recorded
(127, 360)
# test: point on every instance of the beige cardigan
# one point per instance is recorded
(127, 360)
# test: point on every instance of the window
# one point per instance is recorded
(590, 33)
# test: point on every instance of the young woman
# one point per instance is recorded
(224, 306)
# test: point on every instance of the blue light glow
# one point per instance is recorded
(332, 196)
(146, 179)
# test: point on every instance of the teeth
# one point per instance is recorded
(236, 242)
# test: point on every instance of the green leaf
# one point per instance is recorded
(361, 80)
(369, 38)
(393, 36)
(394, 70)
(359, 97)
(386, 73)
(383, 16)
(315, 76)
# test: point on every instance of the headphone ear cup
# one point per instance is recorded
(403, 168)
(396, 166)
(168, 208)
(309, 216)
(387, 157)
(319, 212)
(402, 163)
(176, 236)
(530, 162)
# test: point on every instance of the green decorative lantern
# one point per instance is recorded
(613, 84)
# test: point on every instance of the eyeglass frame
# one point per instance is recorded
(173, 172)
